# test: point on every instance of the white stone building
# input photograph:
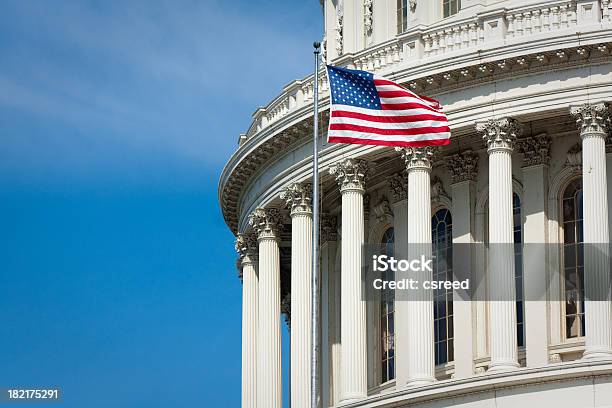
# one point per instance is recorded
(526, 86)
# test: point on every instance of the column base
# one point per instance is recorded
(419, 382)
(503, 367)
(353, 397)
(597, 354)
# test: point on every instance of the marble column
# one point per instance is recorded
(298, 199)
(350, 175)
(330, 312)
(500, 134)
(421, 358)
(398, 186)
(535, 150)
(594, 123)
(464, 169)
(246, 245)
(266, 223)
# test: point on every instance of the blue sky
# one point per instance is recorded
(118, 279)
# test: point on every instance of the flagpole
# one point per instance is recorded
(314, 373)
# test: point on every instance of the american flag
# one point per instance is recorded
(369, 109)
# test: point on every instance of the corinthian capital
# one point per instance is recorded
(535, 149)
(462, 166)
(398, 186)
(298, 198)
(417, 157)
(246, 246)
(500, 134)
(266, 222)
(351, 174)
(592, 118)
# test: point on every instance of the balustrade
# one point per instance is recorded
(449, 38)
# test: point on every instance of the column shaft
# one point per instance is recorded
(596, 262)
(501, 263)
(327, 311)
(330, 297)
(249, 334)
(535, 264)
(269, 341)
(301, 308)
(464, 169)
(463, 219)
(353, 308)
(421, 358)
(336, 336)
(402, 308)
(246, 245)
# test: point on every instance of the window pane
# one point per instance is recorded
(569, 232)
(402, 15)
(442, 236)
(387, 325)
(569, 254)
(519, 336)
(518, 268)
(573, 259)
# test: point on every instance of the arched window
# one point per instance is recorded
(442, 241)
(573, 259)
(387, 307)
(402, 16)
(518, 270)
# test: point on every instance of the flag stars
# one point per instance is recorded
(353, 88)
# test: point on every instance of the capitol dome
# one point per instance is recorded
(525, 86)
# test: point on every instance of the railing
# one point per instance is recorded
(459, 36)
(540, 19)
(447, 38)
(379, 56)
